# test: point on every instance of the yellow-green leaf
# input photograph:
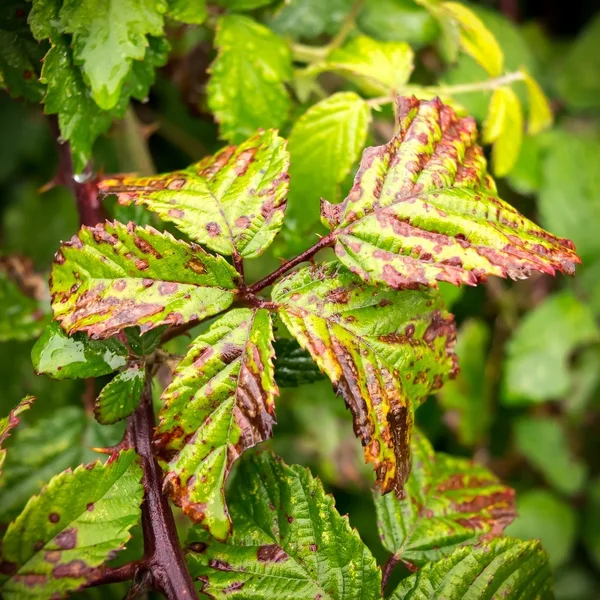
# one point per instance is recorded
(540, 115)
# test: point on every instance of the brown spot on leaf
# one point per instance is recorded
(271, 553)
(219, 565)
(213, 229)
(67, 539)
(233, 587)
(197, 266)
(167, 288)
(54, 517)
(198, 547)
(312, 547)
(74, 569)
(146, 247)
(90, 507)
(175, 184)
(53, 556)
(243, 222)
(176, 212)
(31, 579)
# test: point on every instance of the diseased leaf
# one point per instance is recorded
(113, 276)
(504, 568)
(61, 537)
(76, 357)
(20, 55)
(38, 451)
(536, 366)
(232, 202)
(324, 144)
(120, 397)
(107, 36)
(543, 442)
(10, 422)
(423, 210)
(384, 353)
(466, 399)
(246, 88)
(378, 67)
(504, 128)
(192, 12)
(294, 365)
(288, 541)
(220, 403)
(22, 317)
(449, 502)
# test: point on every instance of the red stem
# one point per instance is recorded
(324, 242)
(106, 575)
(166, 562)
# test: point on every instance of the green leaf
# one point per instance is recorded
(578, 81)
(383, 351)
(570, 184)
(107, 37)
(10, 422)
(144, 344)
(113, 276)
(120, 397)
(475, 38)
(38, 451)
(288, 541)
(543, 442)
(378, 67)
(466, 400)
(591, 522)
(423, 210)
(193, 12)
(293, 364)
(22, 317)
(243, 4)
(536, 368)
(504, 568)
(232, 202)
(220, 403)
(72, 527)
(77, 357)
(504, 128)
(449, 502)
(324, 144)
(20, 55)
(246, 88)
(543, 516)
(540, 113)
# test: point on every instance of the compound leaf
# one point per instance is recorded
(325, 142)
(76, 357)
(113, 276)
(219, 404)
(379, 67)
(294, 365)
(383, 351)
(107, 36)
(55, 545)
(288, 541)
(504, 568)
(232, 202)
(449, 502)
(10, 422)
(423, 209)
(120, 397)
(246, 88)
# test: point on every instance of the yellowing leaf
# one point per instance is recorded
(475, 38)
(10, 422)
(504, 127)
(113, 276)
(540, 115)
(379, 67)
(232, 202)
(423, 209)
(383, 351)
(219, 404)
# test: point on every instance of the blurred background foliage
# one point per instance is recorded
(527, 401)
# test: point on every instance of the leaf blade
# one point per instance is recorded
(120, 397)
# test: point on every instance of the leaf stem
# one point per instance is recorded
(324, 242)
(106, 575)
(132, 149)
(391, 562)
(164, 555)
(461, 88)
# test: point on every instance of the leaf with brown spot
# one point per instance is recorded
(113, 276)
(56, 544)
(10, 422)
(220, 403)
(288, 541)
(423, 209)
(232, 202)
(383, 351)
(449, 502)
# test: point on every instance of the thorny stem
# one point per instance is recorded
(165, 560)
(391, 562)
(463, 88)
(106, 575)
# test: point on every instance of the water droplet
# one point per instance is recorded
(61, 139)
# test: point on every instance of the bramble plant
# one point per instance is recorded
(422, 210)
